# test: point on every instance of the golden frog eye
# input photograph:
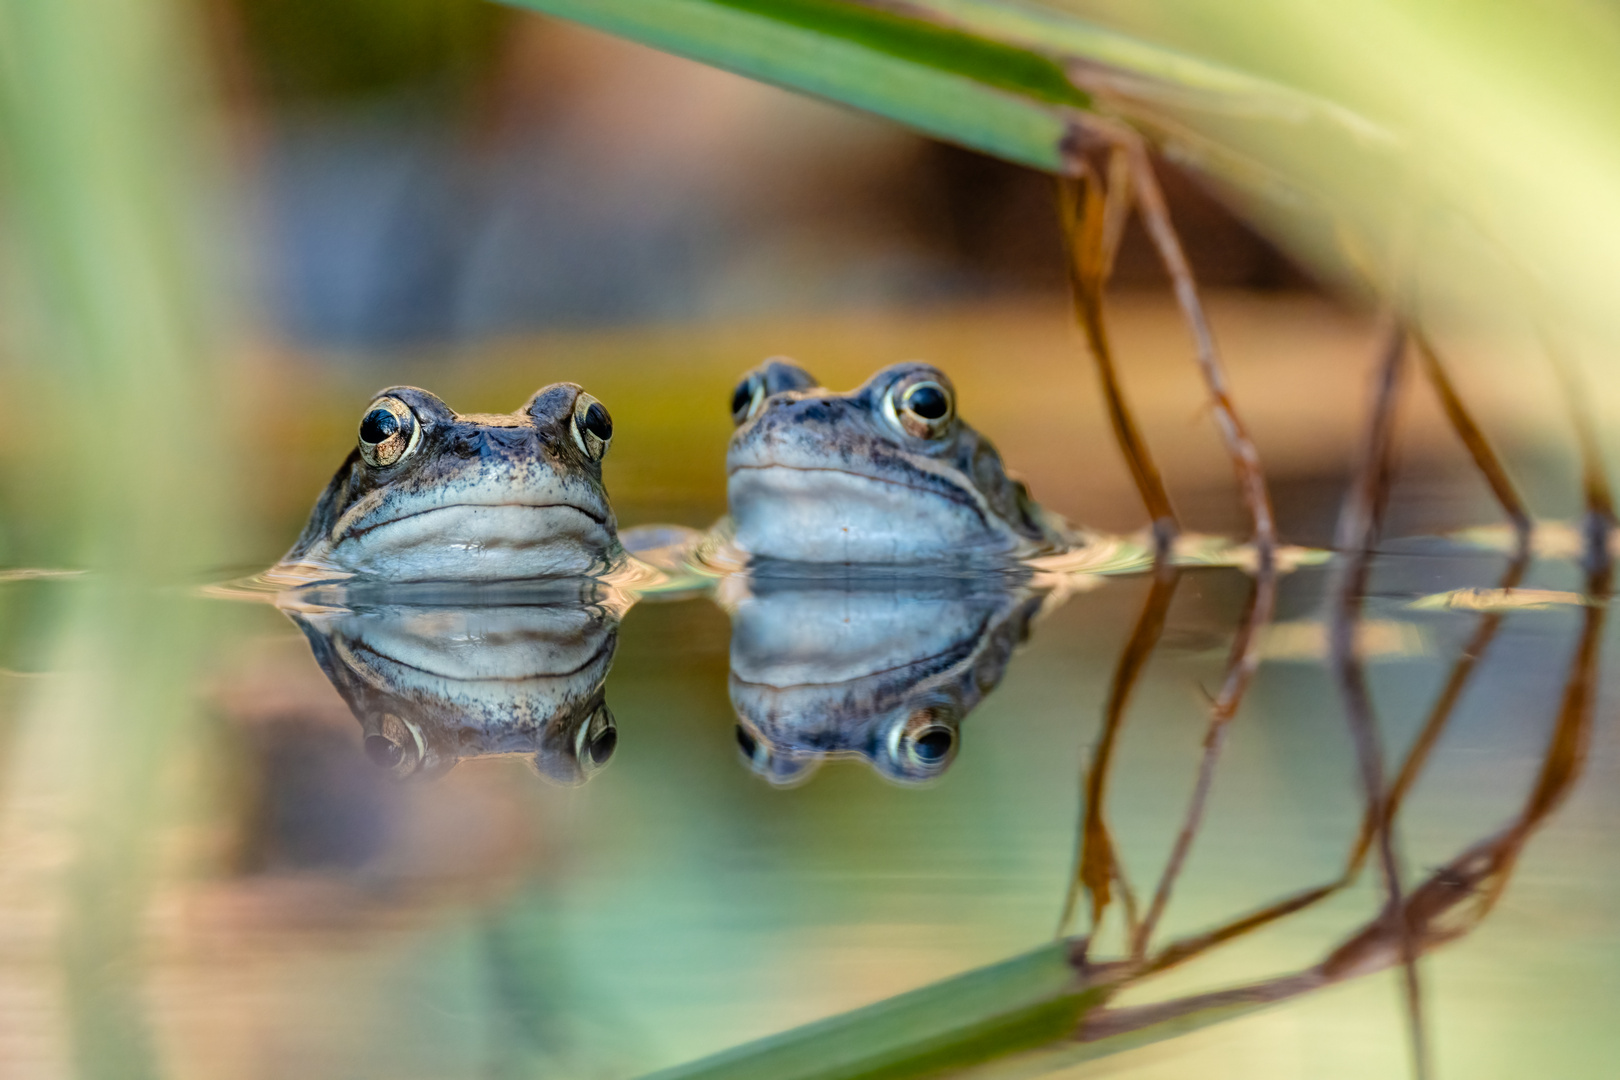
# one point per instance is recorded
(747, 398)
(593, 427)
(388, 432)
(924, 409)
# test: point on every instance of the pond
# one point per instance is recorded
(602, 834)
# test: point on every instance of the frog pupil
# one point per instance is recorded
(746, 743)
(597, 421)
(741, 399)
(384, 751)
(934, 745)
(378, 425)
(603, 745)
(928, 402)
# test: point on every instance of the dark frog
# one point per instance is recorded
(429, 494)
(888, 473)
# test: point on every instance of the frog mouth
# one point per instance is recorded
(476, 540)
(360, 531)
(819, 514)
(791, 478)
(940, 489)
(391, 665)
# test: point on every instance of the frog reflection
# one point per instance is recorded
(888, 473)
(429, 494)
(436, 683)
(884, 671)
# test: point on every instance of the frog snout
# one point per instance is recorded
(491, 442)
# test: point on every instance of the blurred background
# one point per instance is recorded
(479, 199)
(449, 170)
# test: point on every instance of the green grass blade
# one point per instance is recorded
(1002, 99)
(1068, 40)
(1015, 68)
(1023, 1003)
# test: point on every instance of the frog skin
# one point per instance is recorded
(432, 495)
(888, 473)
(882, 671)
(436, 679)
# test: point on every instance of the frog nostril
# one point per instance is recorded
(509, 438)
(467, 443)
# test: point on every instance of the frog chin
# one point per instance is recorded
(479, 542)
(821, 515)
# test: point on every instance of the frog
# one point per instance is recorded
(429, 494)
(439, 675)
(888, 473)
(881, 670)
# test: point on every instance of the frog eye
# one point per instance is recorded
(922, 747)
(932, 744)
(597, 739)
(388, 432)
(747, 398)
(397, 745)
(593, 427)
(929, 749)
(923, 409)
(780, 769)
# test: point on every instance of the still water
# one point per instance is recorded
(527, 833)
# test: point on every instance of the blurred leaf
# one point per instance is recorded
(1019, 1004)
(954, 86)
(107, 184)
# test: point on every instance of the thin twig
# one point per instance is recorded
(1481, 873)
(1417, 755)
(1478, 446)
(1596, 491)
(1094, 211)
(1245, 458)
(1095, 864)
(1358, 526)
(1439, 718)
(1241, 665)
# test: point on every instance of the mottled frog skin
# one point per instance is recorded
(888, 473)
(885, 672)
(435, 679)
(429, 494)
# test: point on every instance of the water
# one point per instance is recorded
(260, 890)
(314, 916)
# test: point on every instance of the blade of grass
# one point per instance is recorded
(103, 163)
(1001, 99)
(1022, 1003)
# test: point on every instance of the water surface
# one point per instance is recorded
(262, 892)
